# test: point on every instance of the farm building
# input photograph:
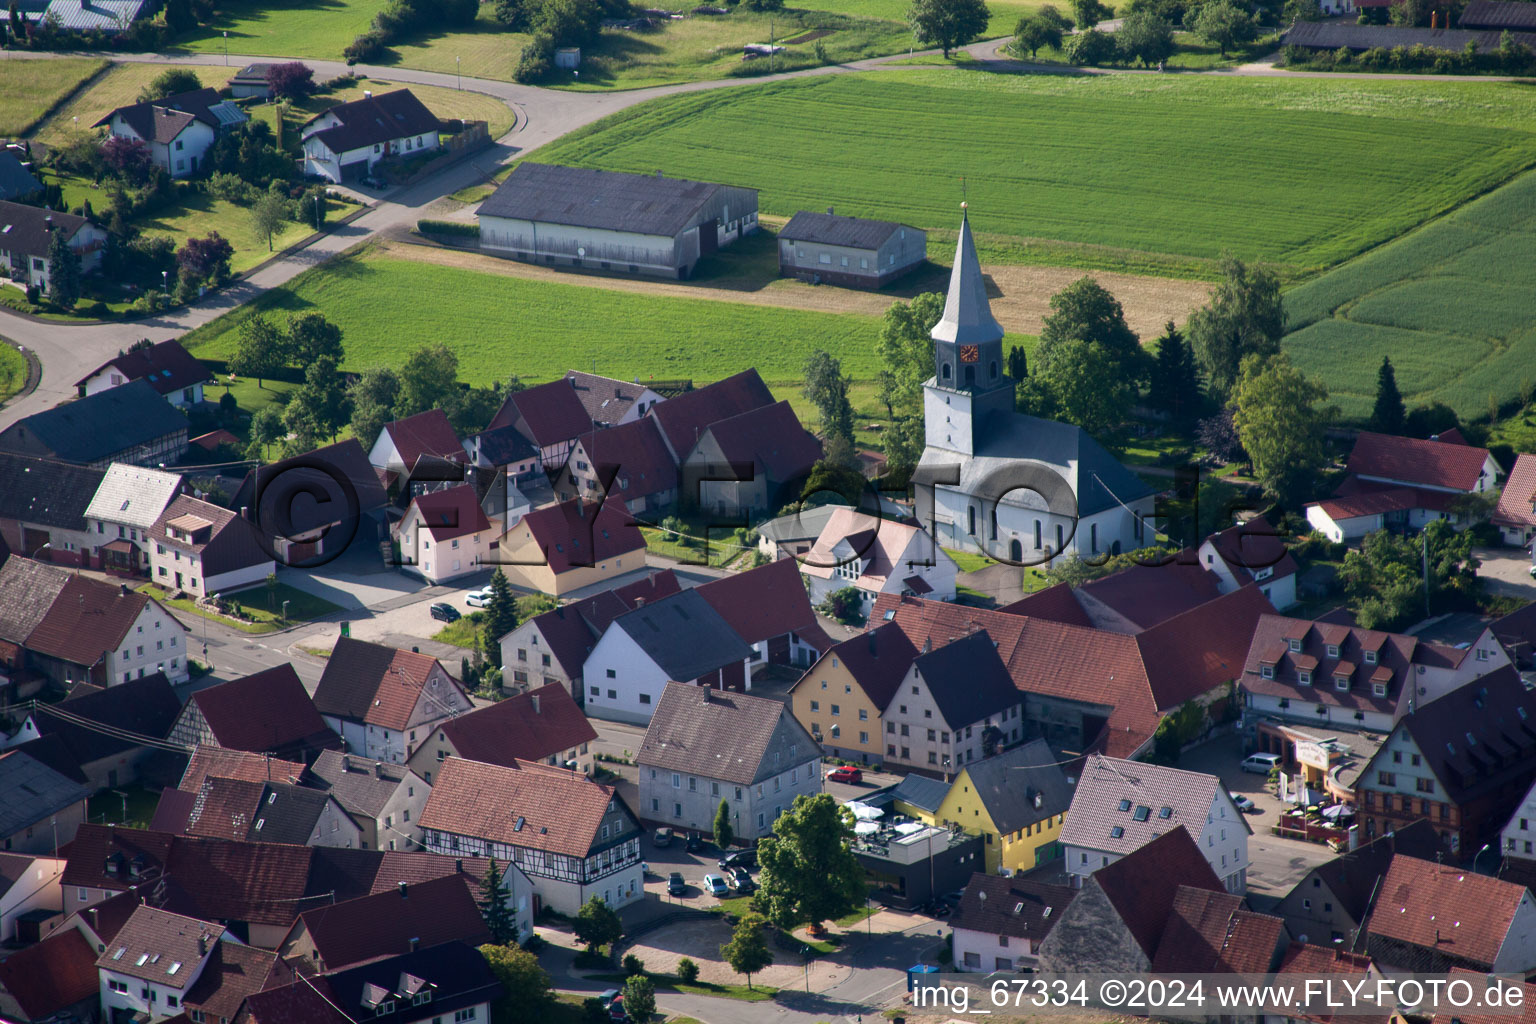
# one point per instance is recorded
(109, 16)
(346, 141)
(1333, 35)
(177, 129)
(824, 248)
(24, 235)
(1498, 15)
(643, 224)
(251, 81)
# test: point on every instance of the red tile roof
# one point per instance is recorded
(1305, 958)
(684, 418)
(766, 602)
(771, 436)
(1252, 547)
(379, 685)
(1445, 908)
(549, 413)
(235, 764)
(1362, 503)
(450, 513)
(878, 660)
(570, 537)
(1057, 604)
(426, 433)
(232, 973)
(432, 912)
(296, 1003)
(269, 712)
(560, 811)
(154, 940)
(1210, 933)
(88, 619)
(51, 976)
(1412, 461)
(1527, 1011)
(1517, 503)
(632, 460)
(1142, 885)
(572, 630)
(531, 726)
(167, 366)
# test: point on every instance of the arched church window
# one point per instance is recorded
(994, 525)
(970, 375)
(970, 520)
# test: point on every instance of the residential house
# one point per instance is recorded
(221, 763)
(1311, 959)
(152, 961)
(504, 448)
(550, 416)
(177, 130)
(543, 724)
(853, 683)
(1403, 483)
(106, 634)
(169, 369)
(610, 402)
(347, 140)
(52, 982)
(445, 535)
(385, 702)
(42, 508)
(271, 812)
(250, 82)
(1336, 676)
(1515, 515)
(628, 463)
(1121, 806)
(27, 590)
(131, 423)
(792, 536)
(448, 981)
(26, 232)
(571, 545)
(850, 251)
(1432, 918)
(200, 548)
(233, 972)
(1001, 922)
(645, 224)
(267, 713)
(768, 608)
(956, 705)
(680, 638)
(875, 555)
(1213, 933)
(402, 443)
(1331, 903)
(123, 512)
(552, 647)
(684, 777)
(919, 797)
(684, 417)
(1252, 552)
(17, 185)
(573, 838)
(1464, 760)
(29, 890)
(384, 800)
(750, 463)
(99, 728)
(1018, 800)
(347, 503)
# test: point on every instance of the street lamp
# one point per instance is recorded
(226, 49)
(1479, 853)
(458, 74)
(165, 281)
(805, 952)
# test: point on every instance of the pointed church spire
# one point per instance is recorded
(967, 313)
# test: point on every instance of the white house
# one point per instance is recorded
(1001, 922)
(152, 961)
(445, 534)
(848, 251)
(875, 556)
(1251, 553)
(201, 548)
(123, 512)
(169, 369)
(1517, 839)
(25, 234)
(402, 443)
(28, 883)
(1405, 483)
(1516, 513)
(177, 129)
(384, 702)
(348, 139)
(1120, 806)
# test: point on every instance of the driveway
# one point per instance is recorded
(1507, 571)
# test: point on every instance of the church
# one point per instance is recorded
(991, 479)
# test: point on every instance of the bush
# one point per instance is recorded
(537, 58)
(448, 227)
(230, 187)
(687, 971)
(93, 309)
(1090, 48)
(633, 964)
(33, 293)
(369, 46)
(152, 301)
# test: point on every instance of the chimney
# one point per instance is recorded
(245, 511)
(829, 211)
(403, 890)
(202, 944)
(415, 943)
(91, 913)
(378, 769)
(346, 763)
(415, 649)
(639, 602)
(122, 588)
(535, 703)
(367, 94)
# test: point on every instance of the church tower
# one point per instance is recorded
(968, 384)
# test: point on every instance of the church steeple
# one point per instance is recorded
(967, 315)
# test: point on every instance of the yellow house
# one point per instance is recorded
(564, 547)
(1018, 800)
(841, 699)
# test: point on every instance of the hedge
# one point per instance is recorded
(448, 227)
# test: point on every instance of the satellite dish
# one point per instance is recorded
(581, 251)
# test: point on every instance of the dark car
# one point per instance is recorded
(740, 880)
(695, 843)
(675, 884)
(444, 612)
(739, 859)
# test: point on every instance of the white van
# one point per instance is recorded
(1261, 764)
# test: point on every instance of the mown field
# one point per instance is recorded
(1451, 304)
(30, 88)
(1005, 13)
(119, 86)
(1158, 175)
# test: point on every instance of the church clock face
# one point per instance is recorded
(970, 353)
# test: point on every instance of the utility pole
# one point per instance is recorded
(1425, 538)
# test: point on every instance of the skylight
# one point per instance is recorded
(1125, 805)
(1166, 812)
(1143, 812)
(1116, 832)
(143, 959)
(175, 966)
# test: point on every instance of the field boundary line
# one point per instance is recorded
(80, 86)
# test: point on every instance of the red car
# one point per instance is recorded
(845, 774)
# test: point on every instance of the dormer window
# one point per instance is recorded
(1341, 682)
(1370, 657)
(1295, 644)
(1267, 671)
(1304, 677)
(1379, 689)
(1333, 650)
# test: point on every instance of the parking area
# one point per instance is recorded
(1507, 571)
(661, 861)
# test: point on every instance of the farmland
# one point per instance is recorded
(1094, 171)
(1450, 303)
(119, 86)
(29, 89)
(1005, 13)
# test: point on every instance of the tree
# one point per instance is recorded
(597, 924)
(1430, 420)
(1088, 13)
(64, 272)
(204, 260)
(1219, 435)
(500, 616)
(311, 208)
(827, 389)
(179, 18)
(748, 952)
(1089, 386)
(128, 157)
(725, 835)
(1090, 48)
(906, 350)
(1175, 381)
(526, 987)
(1225, 24)
(372, 397)
(265, 430)
(687, 971)
(885, 391)
(310, 336)
(1018, 363)
(1243, 317)
(1275, 411)
(639, 999)
(318, 407)
(1409, 13)
(291, 81)
(267, 216)
(1301, 10)
(1033, 32)
(1389, 415)
(570, 22)
(499, 919)
(259, 351)
(428, 380)
(1085, 311)
(809, 871)
(1145, 36)
(948, 23)
(170, 83)
(1051, 14)
(1384, 578)
(516, 15)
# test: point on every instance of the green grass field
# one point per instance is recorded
(13, 372)
(31, 88)
(1156, 174)
(1450, 303)
(289, 28)
(1005, 13)
(119, 86)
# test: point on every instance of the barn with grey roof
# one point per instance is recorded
(606, 220)
(828, 248)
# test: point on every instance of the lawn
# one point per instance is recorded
(1005, 13)
(263, 606)
(1450, 303)
(1096, 170)
(118, 87)
(13, 371)
(29, 89)
(465, 631)
(969, 561)
(198, 214)
(290, 28)
(445, 103)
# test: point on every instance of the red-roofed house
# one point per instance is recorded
(1253, 552)
(1432, 918)
(1516, 515)
(202, 548)
(570, 545)
(1402, 482)
(1210, 933)
(628, 463)
(169, 368)
(107, 634)
(551, 416)
(684, 417)
(152, 961)
(445, 534)
(875, 556)
(541, 725)
(401, 443)
(769, 609)
(55, 980)
(266, 713)
(385, 702)
(756, 460)
(417, 915)
(863, 672)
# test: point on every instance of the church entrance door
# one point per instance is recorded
(1015, 550)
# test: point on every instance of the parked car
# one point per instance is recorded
(845, 773)
(715, 886)
(1260, 764)
(741, 880)
(616, 1012)
(739, 859)
(663, 837)
(1243, 803)
(608, 997)
(444, 612)
(675, 884)
(694, 843)
(478, 598)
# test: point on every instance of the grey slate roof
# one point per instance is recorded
(968, 679)
(24, 229)
(46, 493)
(1485, 14)
(16, 181)
(361, 785)
(1010, 783)
(133, 495)
(97, 427)
(921, 791)
(1330, 35)
(967, 312)
(806, 525)
(834, 229)
(374, 120)
(33, 791)
(106, 15)
(27, 591)
(684, 636)
(580, 197)
(1108, 782)
(717, 734)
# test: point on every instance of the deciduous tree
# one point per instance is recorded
(906, 350)
(526, 987)
(1090, 386)
(268, 213)
(1384, 577)
(1088, 13)
(1086, 311)
(827, 389)
(1034, 32)
(169, 83)
(428, 380)
(128, 157)
(1276, 412)
(260, 348)
(748, 951)
(1146, 37)
(639, 999)
(1243, 317)
(292, 80)
(948, 23)
(1224, 24)
(310, 336)
(373, 396)
(205, 260)
(597, 924)
(318, 407)
(809, 871)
